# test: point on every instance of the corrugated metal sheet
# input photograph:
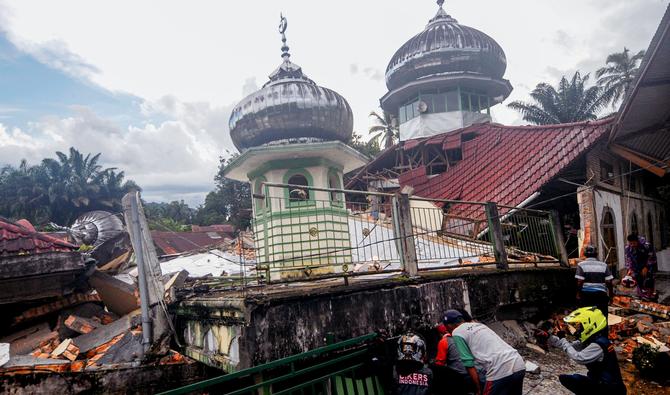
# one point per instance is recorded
(643, 120)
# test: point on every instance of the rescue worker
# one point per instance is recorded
(505, 369)
(411, 376)
(455, 366)
(641, 265)
(594, 281)
(594, 350)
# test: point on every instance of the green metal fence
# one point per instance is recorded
(339, 368)
(529, 231)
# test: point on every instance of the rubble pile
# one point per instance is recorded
(81, 332)
(634, 322)
(98, 327)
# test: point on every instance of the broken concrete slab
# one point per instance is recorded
(510, 332)
(105, 333)
(613, 319)
(119, 297)
(29, 361)
(127, 349)
(80, 324)
(535, 348)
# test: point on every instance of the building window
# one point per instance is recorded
(609, 247)
(261, 202)
(334, 183)
(452, 101)
(296, 193)
(606, 172)
(632, 184)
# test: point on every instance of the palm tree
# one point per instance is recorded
(385, 130)
(617, 77)
(573, 101)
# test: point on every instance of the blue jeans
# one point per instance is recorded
(508, 385)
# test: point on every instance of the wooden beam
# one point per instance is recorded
(638, 160)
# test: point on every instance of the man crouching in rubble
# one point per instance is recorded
(504, 366)
(594, 350)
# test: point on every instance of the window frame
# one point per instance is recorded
(287, 193)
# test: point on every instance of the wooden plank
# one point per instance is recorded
(106, 333)
(496, 231)
(48, 308)
(119, 297)
(25, 341)
(638, 160)
(81, 325)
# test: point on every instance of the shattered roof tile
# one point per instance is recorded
(16, 239)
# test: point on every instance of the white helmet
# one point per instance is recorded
(411, 347)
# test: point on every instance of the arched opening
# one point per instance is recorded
(609, 247)
(259, 196)
(650, 228)
(334, 183)
(297, 194)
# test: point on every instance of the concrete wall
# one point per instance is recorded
(233, 333)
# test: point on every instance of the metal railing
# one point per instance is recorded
(338, 368)
(304, 233)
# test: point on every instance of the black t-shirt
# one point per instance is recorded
(413, 380)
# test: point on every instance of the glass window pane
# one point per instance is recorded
(439, 103)
(465, 102)
(474, 102)
(401, 114)
(452, 101)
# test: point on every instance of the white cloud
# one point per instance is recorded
(174, 159)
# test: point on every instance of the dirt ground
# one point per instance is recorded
(555, 362)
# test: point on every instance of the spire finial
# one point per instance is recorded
(283, 24)
(441, 14)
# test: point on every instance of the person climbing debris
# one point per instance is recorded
(505, 369)
(594, 350)
(641, 265)
(594, 281)
(411, 376)
(454, 366)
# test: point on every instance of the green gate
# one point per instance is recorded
(336, 369)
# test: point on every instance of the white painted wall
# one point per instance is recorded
(604, 199)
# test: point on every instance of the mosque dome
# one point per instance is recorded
(290, 108)
(446, 51)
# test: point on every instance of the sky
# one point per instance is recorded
(150, 84)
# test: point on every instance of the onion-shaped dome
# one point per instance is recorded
(445, 46)
(290, 108)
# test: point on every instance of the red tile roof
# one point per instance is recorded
(224, 228)
(178, 242)
(16, 239)
(502, 164)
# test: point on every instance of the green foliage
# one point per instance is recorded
(165, 224)
(229, 202)
(368, 148)
(571, 101)
(644, 359)
(61, 189)
(385, 129)
(618, 75)
(176, 211)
